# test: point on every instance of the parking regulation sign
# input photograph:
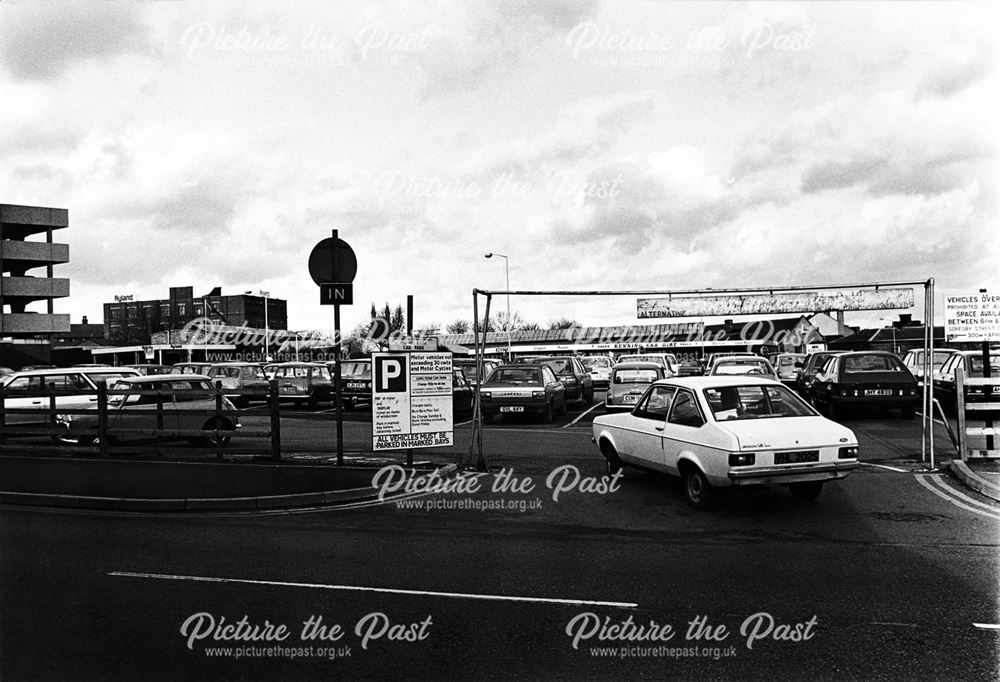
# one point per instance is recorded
(412, 401)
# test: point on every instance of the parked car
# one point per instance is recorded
(304, 383)
(715, 432)
(865, 379)
(74, 388)
(709, 360)
(599, 367)
(522, 388)
(355, 382)
(971, 362)
(914, 361)
(785, 366)
(462, 392)
(191, 368)
(668, 360)
(241, 381)
(4, 371)
(629, 380)
(571, 372)
(151, 370)
(743, 365)
(181, 398)
(807, 372)
(468, 365)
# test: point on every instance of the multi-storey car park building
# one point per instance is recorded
(28, 287)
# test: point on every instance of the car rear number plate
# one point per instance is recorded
(629, 398)
(878, 391)
(796, 457)
(512, 408)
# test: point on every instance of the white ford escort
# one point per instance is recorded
(718, 431)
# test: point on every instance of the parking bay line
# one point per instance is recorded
(987, 626)
(357, 588)
(885, 466)
(582, 415)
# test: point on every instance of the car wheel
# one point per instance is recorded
(217, 440)
(806, 492)
(313, 401)
(611, 459)
(697, 491)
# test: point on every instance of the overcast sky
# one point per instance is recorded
(612, 145)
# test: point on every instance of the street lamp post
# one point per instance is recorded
(265, 295)
(506, 271)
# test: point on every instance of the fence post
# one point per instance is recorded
(960, 409)
(3, 413)
(272, 392)
(159, 423)
(218, 419)
(102, 418)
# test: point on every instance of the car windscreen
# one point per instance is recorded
(741, 368)
(872, 363)
(356, 369)
(976, 365)
(596, 362)
(512, 375)
(755, 402)
(560, 365)
(636, 376)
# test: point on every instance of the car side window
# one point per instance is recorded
(656, 403)
(548, 374)
(685, 410)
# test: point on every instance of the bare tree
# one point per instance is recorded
(458, 327)
(563, 323)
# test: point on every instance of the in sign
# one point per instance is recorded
(336, 293)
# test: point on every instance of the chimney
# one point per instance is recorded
(84, 320)
(905, 320)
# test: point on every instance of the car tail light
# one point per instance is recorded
(538, 394)
(741, 459)
(486, 395)
(850, 452)
(569, 380)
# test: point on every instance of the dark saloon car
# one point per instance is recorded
(468, 365)
(523, 388)
(462, 392)
(865, 379)
(355, 382)
(571, 372)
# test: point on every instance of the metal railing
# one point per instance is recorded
(987, 409)
(108, 415)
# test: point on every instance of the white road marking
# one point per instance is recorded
(357, 588)
(987, 626)
(953, 497)
(583, 414)
(885, 466)
(938, 482)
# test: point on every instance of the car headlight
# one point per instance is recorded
(850, 452)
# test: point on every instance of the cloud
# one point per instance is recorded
(583, 128)
(40, 41)
(955, 69)
(492, 39)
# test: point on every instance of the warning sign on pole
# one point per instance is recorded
(972, 316)
(412, 401)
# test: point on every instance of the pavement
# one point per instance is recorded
(193, 486)
(981, 475)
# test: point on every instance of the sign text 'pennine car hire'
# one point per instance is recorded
(412, 401)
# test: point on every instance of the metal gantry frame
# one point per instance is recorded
(476, 446)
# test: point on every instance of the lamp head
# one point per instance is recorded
(489, 255)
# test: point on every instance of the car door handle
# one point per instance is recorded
(36, 402)
(659, 428)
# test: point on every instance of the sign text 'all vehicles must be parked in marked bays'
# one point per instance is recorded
(972, 316)
(412, 400)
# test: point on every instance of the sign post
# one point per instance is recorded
(333, 266)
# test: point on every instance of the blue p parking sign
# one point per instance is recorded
(390, 375)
